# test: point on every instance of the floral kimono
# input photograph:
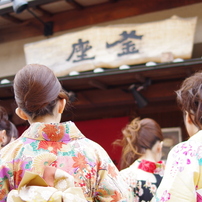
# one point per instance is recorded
(62, 146)
(143, 177)
(183, 174)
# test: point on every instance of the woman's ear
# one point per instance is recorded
(160, 147)
(21, 114)
(187, 117)
(3, 137)
(157, 146)
(61, 107)
(190, 126)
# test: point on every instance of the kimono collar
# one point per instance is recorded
(197, 137)
(149, 166)
(55, 132)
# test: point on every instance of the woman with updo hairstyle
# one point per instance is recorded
(8, 131)
(141, 167)
(57, 153)
(182, 181)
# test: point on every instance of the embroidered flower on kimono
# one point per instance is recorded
(23, 162)
(88, 175)
(93, 171)
(41, 161)
(180, 163)
(101, 192)
(65, 163)
(141, 192)
(53, 132)
(159, 171)
(18, 176)
(148, 184)
(153, 189)
(186, 149)
(80, 161)
(165, 196)
(147, 166)
(2, 194)
(112, 171)
(54, 164)
(4, 171)
(82, 184)
(116, 197)
(99, 167)
(188, 161)
(52, 147)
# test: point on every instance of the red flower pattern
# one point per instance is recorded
(80, 161)
(147, 166)
(88, 176)
(52, 147)
(53, 132)
(82, 184)
(93, 171)
(112, 171)
(18, 176)
(2, 194)
(116, 197)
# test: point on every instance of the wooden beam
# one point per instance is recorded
(44, 12)
(113, 1)
(78, 113)
(154, 93)
(75, 4)
(11, 18)
(139, 77)
(98, 84)
(95, 14)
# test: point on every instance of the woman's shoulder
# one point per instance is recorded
(188, 147)
(10, 151)
(185, 155)
(131, 170)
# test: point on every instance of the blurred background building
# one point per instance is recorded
(103, 99)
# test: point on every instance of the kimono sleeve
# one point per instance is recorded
(181, 175)
(5, 177)
(111, 186)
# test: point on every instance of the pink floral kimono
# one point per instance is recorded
(182, 181)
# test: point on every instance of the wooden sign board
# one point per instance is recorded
(114, 45)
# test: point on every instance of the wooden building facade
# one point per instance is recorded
(102, 103)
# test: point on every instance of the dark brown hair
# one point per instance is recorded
(9, 127)
(37, 90)
(189, 97)
(138, 136)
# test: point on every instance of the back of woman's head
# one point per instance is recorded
(138, 136)
(37, 90)
(189, 97)
(9, 127)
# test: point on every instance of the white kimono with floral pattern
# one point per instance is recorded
(182, 179)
